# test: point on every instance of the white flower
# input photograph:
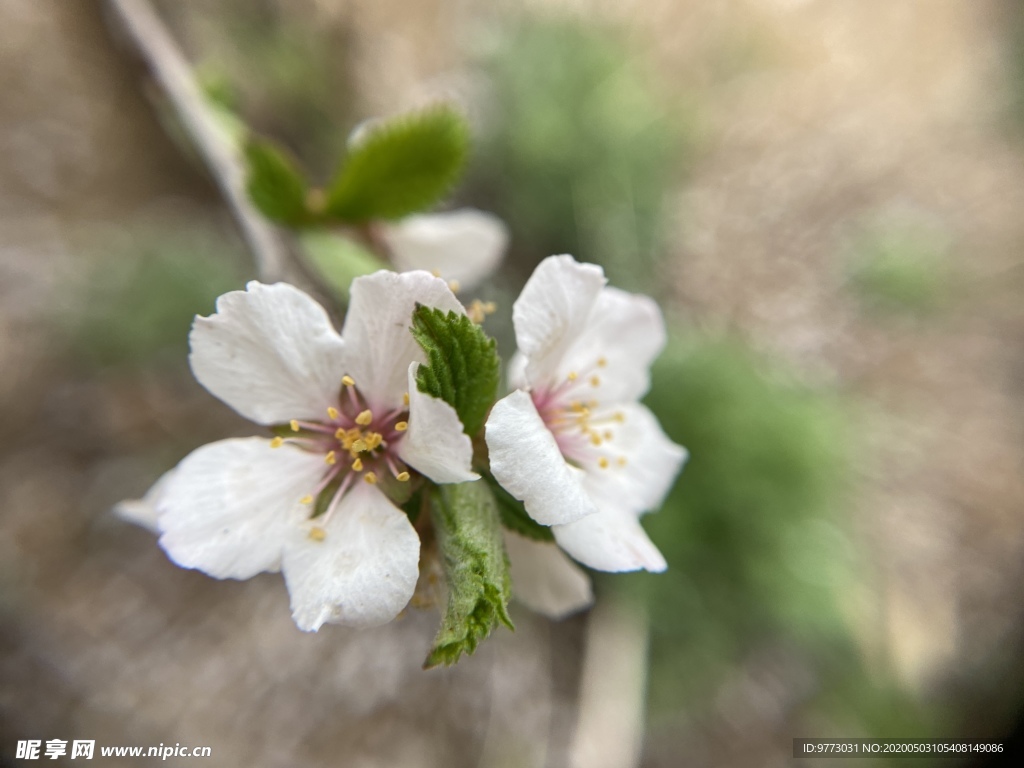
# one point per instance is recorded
(572, 442)
(544, 579)
(463, 246)
(356, 428)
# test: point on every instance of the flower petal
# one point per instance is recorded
(435, 443)
(552, 311)
(270, 352)
(526, 460)
(611, 540)
(142, 511)
(544, 579)
(623, 335)
(643, 462)
(362, 572)
(466, 245)
(228, 505)
(376, 330)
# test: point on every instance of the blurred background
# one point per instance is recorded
(826, 197)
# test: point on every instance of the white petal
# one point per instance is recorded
(626, 332)
(466, 245)
(651, 462)
(435, 443)
(376, 330)
(611, 540)
(526, 460)
(142, 511)
(362, 572)
(552, 311)
(270, 352)
(228, 505)
(544, 579)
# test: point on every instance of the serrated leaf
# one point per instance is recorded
(462, 367)
(400, 166)
(337, 260)
(465, 519)
(274, 183)
(514, 516)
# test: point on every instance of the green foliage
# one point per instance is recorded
(400, 166)
(582, 149)
(137, 301)
(514, 515)
(337, 260)
(463, 366)
(901, 267)
(749, 531)
(465, 519)
(274, 183)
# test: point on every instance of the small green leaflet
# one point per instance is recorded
(274, 183)
(337, 260)
(465, 519)
(401, 166)
(515, 517)
(462, 364)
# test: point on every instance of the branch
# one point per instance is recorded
(172, 72)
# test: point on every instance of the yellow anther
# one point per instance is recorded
(577, 406)
(405, 399)
(619, 417)
(595, 438)
(307, 499)
(621, 461)
(371, 478)
(454, 286)
(601, 362)
(435, 273)
(373, 439)
(340, 433)
(294, 425)
(595, 381)
(573, 376)
(402, 477)
(330, 458)
(603, 462)
(608, 434)
(317, 534)
(357, 465)
(359, 446)
(401, 426)
(348, 381)
(332, 412)
(364, 418)
(277, 442)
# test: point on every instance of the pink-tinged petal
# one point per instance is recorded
(642, 462)
(465, 245)
(270, 352)
(359, 569)
(229, 504)
(435, 443)
(377, 334)
(526, 460)
(552, 312)
(611, 540)
(614, 351)
(544, 579)
(142, 512)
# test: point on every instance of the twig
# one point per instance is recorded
(174, 75)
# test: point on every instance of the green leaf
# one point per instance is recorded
(336, 260)
(515, 517)
(400, 166)
(465, 519)
(463, 365)
(274, 184)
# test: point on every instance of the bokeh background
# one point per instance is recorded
(826, 197)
